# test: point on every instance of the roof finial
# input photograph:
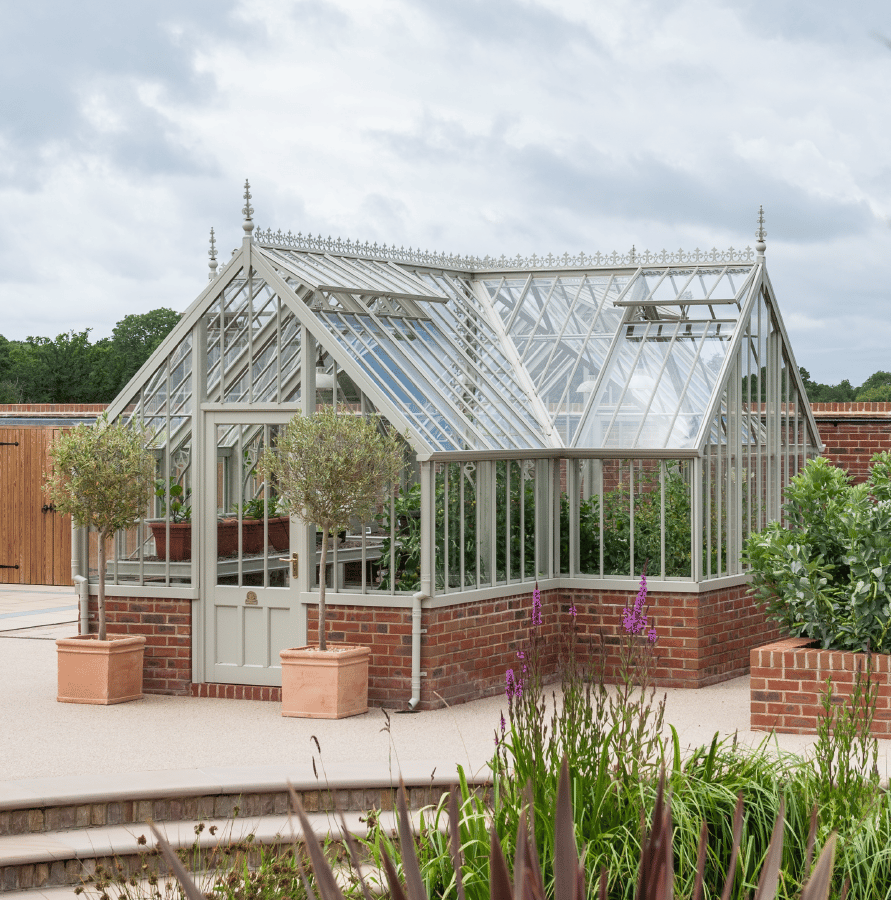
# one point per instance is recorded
(247, 210)
(760, 234)
(212, 253)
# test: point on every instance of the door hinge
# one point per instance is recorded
(8, 567)
(9, 443)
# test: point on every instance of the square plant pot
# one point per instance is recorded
(102, 672)
(325, 684)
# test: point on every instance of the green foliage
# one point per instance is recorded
(71, 369)
(462, 527)
(180, 500)
(826, 572)
(876, 388)
(103, 476)
(845, 755)
(256, 508)
(329, 468)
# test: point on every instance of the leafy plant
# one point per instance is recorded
(329, 468)
(256, 508)
(845, 755)
(825, 573)
(103, 476)
(180, 505)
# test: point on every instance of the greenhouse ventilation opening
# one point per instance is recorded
(567, 421)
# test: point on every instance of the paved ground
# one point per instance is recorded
(40, 737)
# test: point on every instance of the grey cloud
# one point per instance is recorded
(52, 54)
(644, 187)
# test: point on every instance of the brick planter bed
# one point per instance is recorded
(788, 681)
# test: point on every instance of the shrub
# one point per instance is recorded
(825, 572)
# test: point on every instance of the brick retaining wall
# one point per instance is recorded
(789, 680)
(466, 649)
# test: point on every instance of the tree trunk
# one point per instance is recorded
(101, 598)
(323, 580)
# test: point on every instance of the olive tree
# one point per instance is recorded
(102, 475)
(331, 467)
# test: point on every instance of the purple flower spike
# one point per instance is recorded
(536, 607)
(521, 654)
(503, 723)
(652, 637)
(572, 611)
(510, 687)
(634, 620)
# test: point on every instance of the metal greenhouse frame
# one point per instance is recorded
(567, 421)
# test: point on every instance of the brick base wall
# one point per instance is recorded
(466, 649)
(703, 638)
(167, 626)
(789, 680)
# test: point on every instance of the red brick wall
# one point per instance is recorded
(703, 638)
(466, 649)
(789, 681)
(853, 432)
(167, 626)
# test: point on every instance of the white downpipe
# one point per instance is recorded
(82, 586)
(416, 632)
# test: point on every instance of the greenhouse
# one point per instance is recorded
(567, 422)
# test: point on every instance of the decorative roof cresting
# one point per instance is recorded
(289, 241)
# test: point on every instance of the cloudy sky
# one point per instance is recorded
(468, 126)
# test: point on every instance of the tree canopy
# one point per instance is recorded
(71, 369)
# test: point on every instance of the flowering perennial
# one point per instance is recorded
(634, 620)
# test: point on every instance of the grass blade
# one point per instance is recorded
(566, 857)
(414, 884)
(178, 869)
(818, 885)
(770, 872)
(455, 844)
(734, 851)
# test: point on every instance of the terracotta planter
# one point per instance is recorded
(279, 533)
(330, 684)
(251, 535)
(103, 672)
(788, 682)
(180, 540)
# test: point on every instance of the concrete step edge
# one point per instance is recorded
(117, 840)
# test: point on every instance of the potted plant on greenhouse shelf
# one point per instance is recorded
(103, 476)
(329, 468)
(252, 515)
(179, 547)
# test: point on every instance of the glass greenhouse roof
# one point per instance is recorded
(598, 357)
(621, 353)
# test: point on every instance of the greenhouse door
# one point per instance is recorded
(251, 599)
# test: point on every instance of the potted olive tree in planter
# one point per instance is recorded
(329, 467)
(102, 475)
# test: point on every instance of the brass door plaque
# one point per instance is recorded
(251, 599)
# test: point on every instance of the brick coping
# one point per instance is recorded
(113, 787)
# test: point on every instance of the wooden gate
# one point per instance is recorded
(35, 540)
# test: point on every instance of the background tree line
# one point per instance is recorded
(876, 388)
(71, 369)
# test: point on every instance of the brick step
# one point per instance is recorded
(36, 865)
(55, 831)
